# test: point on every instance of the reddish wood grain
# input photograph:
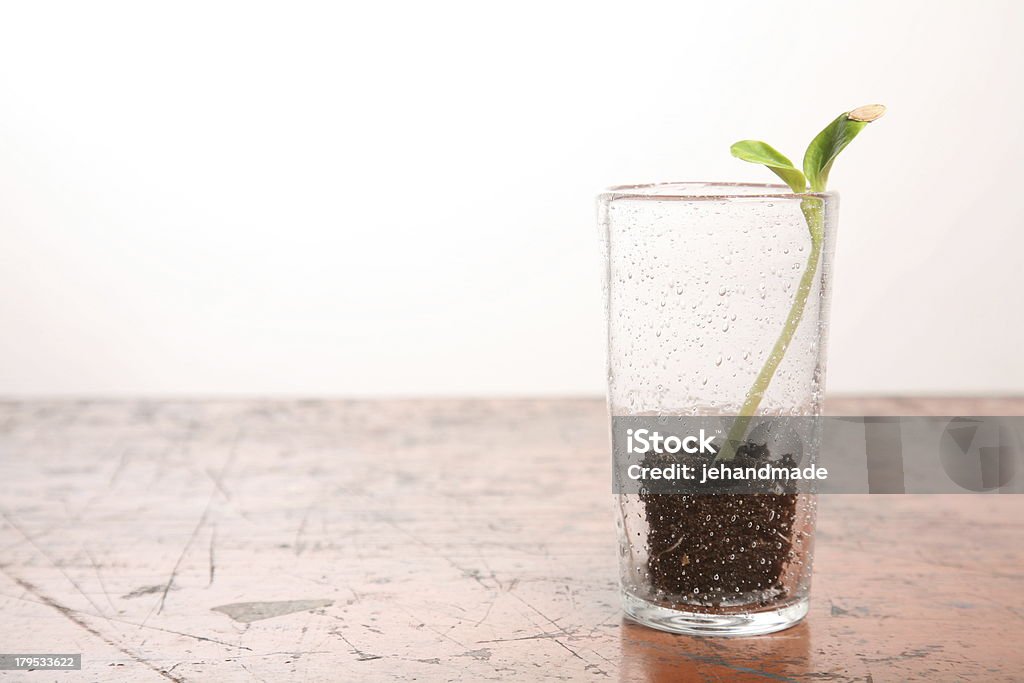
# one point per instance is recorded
(442, 540)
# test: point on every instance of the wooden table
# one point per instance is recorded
(440, 540)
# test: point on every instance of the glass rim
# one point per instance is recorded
(713, 191)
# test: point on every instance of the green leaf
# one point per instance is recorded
(827, 145)
(757, 152)
(817, 163)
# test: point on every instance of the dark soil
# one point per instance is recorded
(711, 548)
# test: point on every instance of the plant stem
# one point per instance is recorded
(814, 213)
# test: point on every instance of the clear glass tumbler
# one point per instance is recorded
(701, 283)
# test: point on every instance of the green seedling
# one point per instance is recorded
(818, 159)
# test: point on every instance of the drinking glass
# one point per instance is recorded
(700, 280)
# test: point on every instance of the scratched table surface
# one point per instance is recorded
(441, 540)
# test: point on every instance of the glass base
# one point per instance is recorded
(704, 624)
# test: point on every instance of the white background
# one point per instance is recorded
(397, 198)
